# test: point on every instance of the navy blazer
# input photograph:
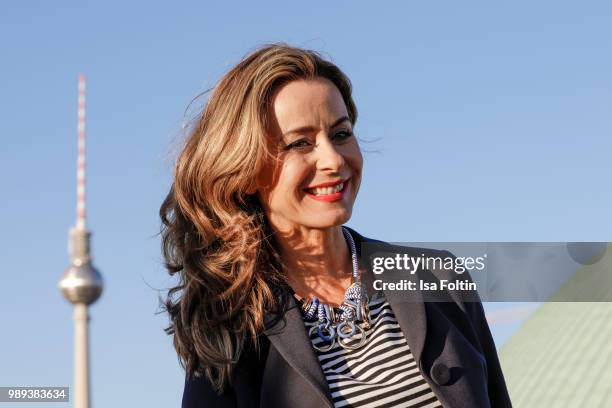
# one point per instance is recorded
(450, 341)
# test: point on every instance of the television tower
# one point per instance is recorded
(81, 283)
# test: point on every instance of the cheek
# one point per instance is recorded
(292, 178)
(355, 158)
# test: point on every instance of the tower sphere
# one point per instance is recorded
(81, 283)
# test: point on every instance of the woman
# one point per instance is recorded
(272, 308)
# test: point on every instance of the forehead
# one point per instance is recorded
(307, 102)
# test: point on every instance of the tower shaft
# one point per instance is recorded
(81, 356)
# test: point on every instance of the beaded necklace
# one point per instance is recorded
(348, 320)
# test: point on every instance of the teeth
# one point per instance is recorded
(327, 190)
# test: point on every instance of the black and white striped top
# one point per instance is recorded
(382, 373)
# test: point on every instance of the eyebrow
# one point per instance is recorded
(305, 129)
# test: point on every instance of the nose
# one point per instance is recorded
(328, 156)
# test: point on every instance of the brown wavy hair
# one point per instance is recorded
(215, 235)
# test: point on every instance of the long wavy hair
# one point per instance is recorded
(215, 235)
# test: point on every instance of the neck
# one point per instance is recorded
(317, 262)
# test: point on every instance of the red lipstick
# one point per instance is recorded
(329, 197)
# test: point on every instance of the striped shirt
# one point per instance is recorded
(382, 373)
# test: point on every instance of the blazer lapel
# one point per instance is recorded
(290, 338)
(408, 306)
(412, 318)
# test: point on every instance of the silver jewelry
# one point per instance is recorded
(363, 340)
(352, 317)
(324, 348)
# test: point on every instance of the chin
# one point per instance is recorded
(329, 220)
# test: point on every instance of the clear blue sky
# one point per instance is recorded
(485, 122)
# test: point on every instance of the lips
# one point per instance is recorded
(326, 190)
(332, 191)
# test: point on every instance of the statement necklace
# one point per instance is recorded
(350, 318)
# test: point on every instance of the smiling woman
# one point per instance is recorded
(272, 308)
(318, 172)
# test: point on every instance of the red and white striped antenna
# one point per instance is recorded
(81, 210)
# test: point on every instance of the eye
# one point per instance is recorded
(297, 145)
(342, 135)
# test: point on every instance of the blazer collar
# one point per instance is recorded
(408, 306)
(290, 338)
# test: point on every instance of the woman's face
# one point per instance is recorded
(316, 178)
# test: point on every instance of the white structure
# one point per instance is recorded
(81, 283)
